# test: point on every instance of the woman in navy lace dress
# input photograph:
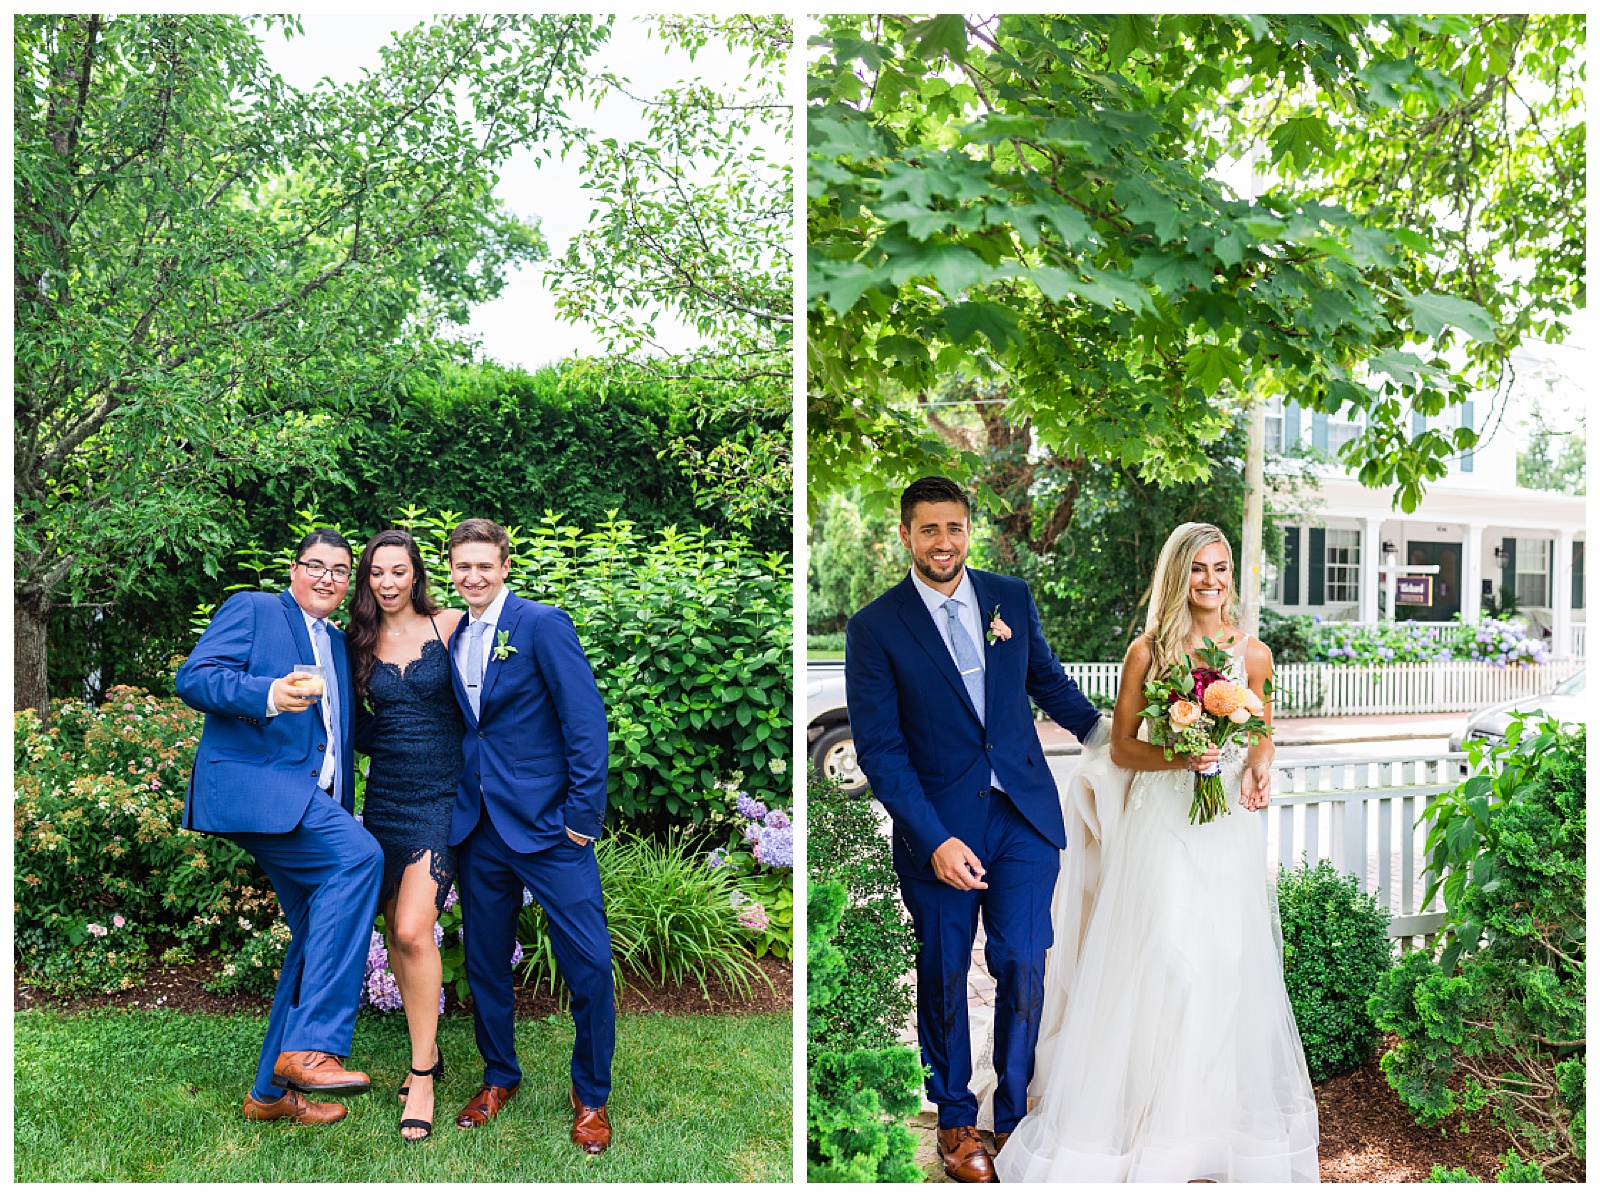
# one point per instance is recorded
(410, 724)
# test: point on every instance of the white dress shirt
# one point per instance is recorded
(969, 617)
(330, 757)
(491, 614)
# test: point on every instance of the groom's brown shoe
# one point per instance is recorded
(298, 1109)
(317, 1072)
(1000, 1137)
(965, 1157)
(490, 1100)
(591, 1129)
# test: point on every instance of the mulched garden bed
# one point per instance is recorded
(169, 987)
(1368, 1135)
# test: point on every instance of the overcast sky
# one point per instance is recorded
(521, 327)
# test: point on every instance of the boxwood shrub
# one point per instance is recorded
(1335, 949)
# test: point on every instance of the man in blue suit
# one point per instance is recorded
(938, 673)
(274, 774)
(531, 804)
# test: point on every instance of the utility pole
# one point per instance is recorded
(1249, 567)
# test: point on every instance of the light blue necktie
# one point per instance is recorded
(330, 697)
(475, 664)
(968, 661)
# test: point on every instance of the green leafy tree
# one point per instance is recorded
(1037, 200)
(1498, 1020)
(855, 556)
(693, 224)
(1556, 460)
(213, 269)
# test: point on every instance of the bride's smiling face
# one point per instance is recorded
(391, 578)
(1210, 579)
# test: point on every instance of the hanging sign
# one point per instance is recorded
(1414, 590)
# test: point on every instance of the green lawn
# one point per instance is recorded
(134, 1095)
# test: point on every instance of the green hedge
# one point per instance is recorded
(479, 439)
(1335, 948)
(1497, 1022)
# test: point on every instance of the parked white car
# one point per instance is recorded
(832, 750)
(1565, 703)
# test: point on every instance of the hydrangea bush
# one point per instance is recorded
(1503, 643)
(764, 868)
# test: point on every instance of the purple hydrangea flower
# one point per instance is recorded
(752, 834)
(516, 953)
(751, 808)
(527, 898)
(776, 849)
(451, 900)
(777, 819)
(715, 860)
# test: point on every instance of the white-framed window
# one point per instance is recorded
(1340, 432)
(1274, 437)
(1343, 565)
(1533, 572)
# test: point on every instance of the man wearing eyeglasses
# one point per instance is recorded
(274, 774)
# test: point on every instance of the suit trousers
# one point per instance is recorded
(326, 872)
(565, 881)
(1021, 869)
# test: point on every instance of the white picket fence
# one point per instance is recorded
(1329, 690)
(1362, 815)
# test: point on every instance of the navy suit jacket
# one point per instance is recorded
(537, 752)
(252, 773)
(917, 735)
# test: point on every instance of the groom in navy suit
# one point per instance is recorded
(532, 802)
(938, 672)
(274, 774)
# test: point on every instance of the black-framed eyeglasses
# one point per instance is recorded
(316, 571)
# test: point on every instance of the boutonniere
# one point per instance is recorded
(501, 650)
(999, 631)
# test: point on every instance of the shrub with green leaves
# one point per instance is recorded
(98, 837)
(846, 843)
(1335, 948)
(689, 636)
(1497, 1022)
(857, 1098)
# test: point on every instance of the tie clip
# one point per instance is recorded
(971, 670)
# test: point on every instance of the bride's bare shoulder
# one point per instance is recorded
(1139, 652)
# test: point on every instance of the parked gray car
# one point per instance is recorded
(1565, 703)
(832, 750)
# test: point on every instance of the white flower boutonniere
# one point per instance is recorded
(501, 650)
(999, 631)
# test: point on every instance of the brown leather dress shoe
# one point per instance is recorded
(591, 1129)
(1000, 1138)
(300, 1110)
(317, 1072)
(490, 1100)
(965, 1157)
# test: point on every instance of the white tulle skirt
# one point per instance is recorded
(1168, 1051)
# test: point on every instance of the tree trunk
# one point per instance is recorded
(1248, 572)
(31, 682)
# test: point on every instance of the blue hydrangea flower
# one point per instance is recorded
(750, 808)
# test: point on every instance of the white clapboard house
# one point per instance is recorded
(1485, 536)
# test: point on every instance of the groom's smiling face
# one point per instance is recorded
(937, 540)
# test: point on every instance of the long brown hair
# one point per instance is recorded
(362, 637)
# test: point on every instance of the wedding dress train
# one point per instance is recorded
(1167, 1051)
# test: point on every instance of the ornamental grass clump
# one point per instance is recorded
(1496, 1023)
(672, 918)
(1335, 949)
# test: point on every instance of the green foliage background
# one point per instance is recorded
(1497, 1022)
(1335, 947)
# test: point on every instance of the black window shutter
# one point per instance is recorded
(1317, 566)
(1508, 568)
(1577, 575)
(1291, 565)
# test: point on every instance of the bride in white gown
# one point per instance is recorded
(1168, 1051)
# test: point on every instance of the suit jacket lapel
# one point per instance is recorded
(925, 633)
(296, 617)
(510, 614)
(455, 676)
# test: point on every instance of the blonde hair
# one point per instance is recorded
(1167, 621)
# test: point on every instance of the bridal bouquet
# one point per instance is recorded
(1195, 706)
